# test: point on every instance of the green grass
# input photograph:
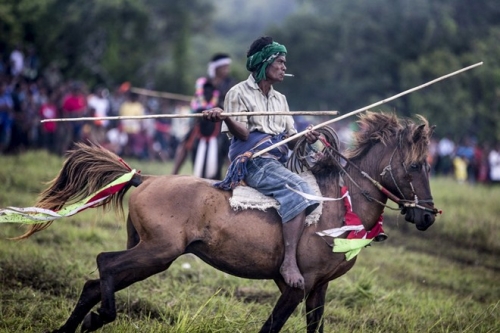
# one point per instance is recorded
(445, 279)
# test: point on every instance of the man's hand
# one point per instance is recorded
(213, 115)
(311, 135)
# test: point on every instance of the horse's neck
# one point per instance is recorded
(333, 212)
(368, 211)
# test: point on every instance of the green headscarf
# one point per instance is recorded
(259, 61)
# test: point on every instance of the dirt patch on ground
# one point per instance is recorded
(436, 244)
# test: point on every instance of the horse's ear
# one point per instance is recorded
(417, 135)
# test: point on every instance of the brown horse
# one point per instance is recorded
(173, 215)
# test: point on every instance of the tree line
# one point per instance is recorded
(344, 54)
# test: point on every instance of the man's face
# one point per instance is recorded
(222, 71)
(275, 72)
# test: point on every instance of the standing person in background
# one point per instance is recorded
(494, 163)
(266, 61)
(6, 110)
(16, 61)
(445, 150)
(204, 140)
(74, 105)
(99, 106)
(48, 110)
(464, 161)
(31, 64)
(132, 127)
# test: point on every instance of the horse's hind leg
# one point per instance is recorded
(315, 306)
(118, 270)
(90, 296)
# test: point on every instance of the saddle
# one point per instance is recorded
(303, 159)
(246, 197)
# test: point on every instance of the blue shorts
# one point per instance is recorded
(270, 177)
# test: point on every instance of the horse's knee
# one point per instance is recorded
(101, 261)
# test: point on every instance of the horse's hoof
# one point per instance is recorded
(380, 237)
(91, 322)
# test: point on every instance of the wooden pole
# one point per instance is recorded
(197, 115)
(293, 137)
(167, 95)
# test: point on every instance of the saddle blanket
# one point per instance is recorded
(246, 197)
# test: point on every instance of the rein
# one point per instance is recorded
(402, 203)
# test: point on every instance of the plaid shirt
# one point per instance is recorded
(246, 96)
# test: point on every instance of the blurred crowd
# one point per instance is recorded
(466, 160)
(30, 94)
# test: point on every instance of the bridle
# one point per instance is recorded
(402, 202)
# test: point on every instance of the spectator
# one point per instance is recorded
(445, 149)
(31, 65)
(16, 61)
(494, 163)
(53, 76)
(116, 140)
(21, 124)
(464, 158)
(204, 139)
(481, 163)
(48, 110)
(132, 127)
(6, 109)
(99, 106)
(74, 106)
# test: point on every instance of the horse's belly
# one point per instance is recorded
(251, 264)
(245, 246)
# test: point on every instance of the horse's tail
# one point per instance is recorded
(87, 168)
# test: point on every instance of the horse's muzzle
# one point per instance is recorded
(422, 219)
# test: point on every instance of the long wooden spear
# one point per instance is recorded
(167, 95)
(295, 136)
(198, 115)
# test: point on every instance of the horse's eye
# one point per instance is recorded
(414, 166)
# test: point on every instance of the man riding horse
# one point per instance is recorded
(266, 61)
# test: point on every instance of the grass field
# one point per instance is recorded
(446, 279)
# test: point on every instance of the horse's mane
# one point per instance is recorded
(387, 128)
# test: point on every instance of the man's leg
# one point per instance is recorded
(292, 230)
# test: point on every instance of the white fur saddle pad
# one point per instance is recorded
(246, 197)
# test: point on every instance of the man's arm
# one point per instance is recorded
(236, 128)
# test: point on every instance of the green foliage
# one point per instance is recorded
(107, 41)
(345, 54)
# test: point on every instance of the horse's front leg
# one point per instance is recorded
(287, 303)
(90, 296)
(315, 306)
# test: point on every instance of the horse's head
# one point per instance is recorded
(399, 151)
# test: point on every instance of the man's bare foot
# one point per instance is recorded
(292, 275)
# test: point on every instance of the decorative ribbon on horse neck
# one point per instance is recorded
(358, 236)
